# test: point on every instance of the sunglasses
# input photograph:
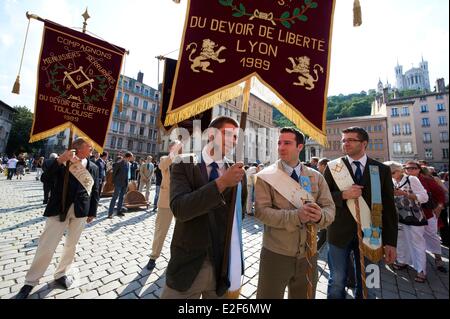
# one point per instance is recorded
(411, 168)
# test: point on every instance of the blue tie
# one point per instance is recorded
(214, 171)
(358, 172)
(294, 176)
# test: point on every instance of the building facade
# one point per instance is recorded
(376, 127)
(261, 135)
(135, 128)
(6, 121)
(418, 127)
(413, 79)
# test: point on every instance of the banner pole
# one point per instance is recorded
(239, 156)
(361, 250)
(63, 213)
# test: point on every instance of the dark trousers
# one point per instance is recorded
(47, 189)
(11, 172)
(338, 262)
(119, 192)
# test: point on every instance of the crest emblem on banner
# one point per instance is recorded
(285, 45)
(77, 80)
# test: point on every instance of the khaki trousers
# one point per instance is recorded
(204, 285)
(278, 271)
(49, 240)
(164, 218)
(147, 185)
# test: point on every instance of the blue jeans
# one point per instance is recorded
(338, 262)
(119, 191)
(155, 201)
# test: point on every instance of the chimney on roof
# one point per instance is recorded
(140, 77)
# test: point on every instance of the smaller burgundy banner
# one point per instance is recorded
(77, 81)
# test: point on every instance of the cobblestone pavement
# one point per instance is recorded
(112, 255)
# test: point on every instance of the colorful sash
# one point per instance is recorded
(291, 190)
(371, 220)
(82, 175)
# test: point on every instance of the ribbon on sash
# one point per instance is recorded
(82, 175)
(371, 219)
(236, 260)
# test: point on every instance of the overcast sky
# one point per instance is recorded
(403, 30)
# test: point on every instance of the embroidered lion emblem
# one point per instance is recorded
(207, 53)
(302, 66)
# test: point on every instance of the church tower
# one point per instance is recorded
(426, 75)
(380, 87)
(399, 77)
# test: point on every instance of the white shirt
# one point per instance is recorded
(362, 160)
(84, 162)
(208, 160)
(416, 187)
(12, 163)
(289, 170)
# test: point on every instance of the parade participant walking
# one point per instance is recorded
(288, 196)
(39, 164)
(363, 192)
(200, 199)
(12, 164)
(432, 210)
(158, 181)
(145, 176)
(101, 163)
(80, 208)
(121, 176)
(409, 194)
(46, 181)
(164, 215)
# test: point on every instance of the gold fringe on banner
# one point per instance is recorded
(59, 128)
(357, 14)
(304, 125)
(202, 105)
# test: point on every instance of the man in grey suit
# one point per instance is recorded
(200, 199)
(121, 174)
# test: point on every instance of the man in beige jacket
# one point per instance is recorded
(283, 256)
(164, 215)
(145, 176)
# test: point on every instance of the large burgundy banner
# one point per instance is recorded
(285, 44)
(77, 81)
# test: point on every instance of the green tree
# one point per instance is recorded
(20, 133)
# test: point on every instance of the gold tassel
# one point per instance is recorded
(16, 86)
(357, 15)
